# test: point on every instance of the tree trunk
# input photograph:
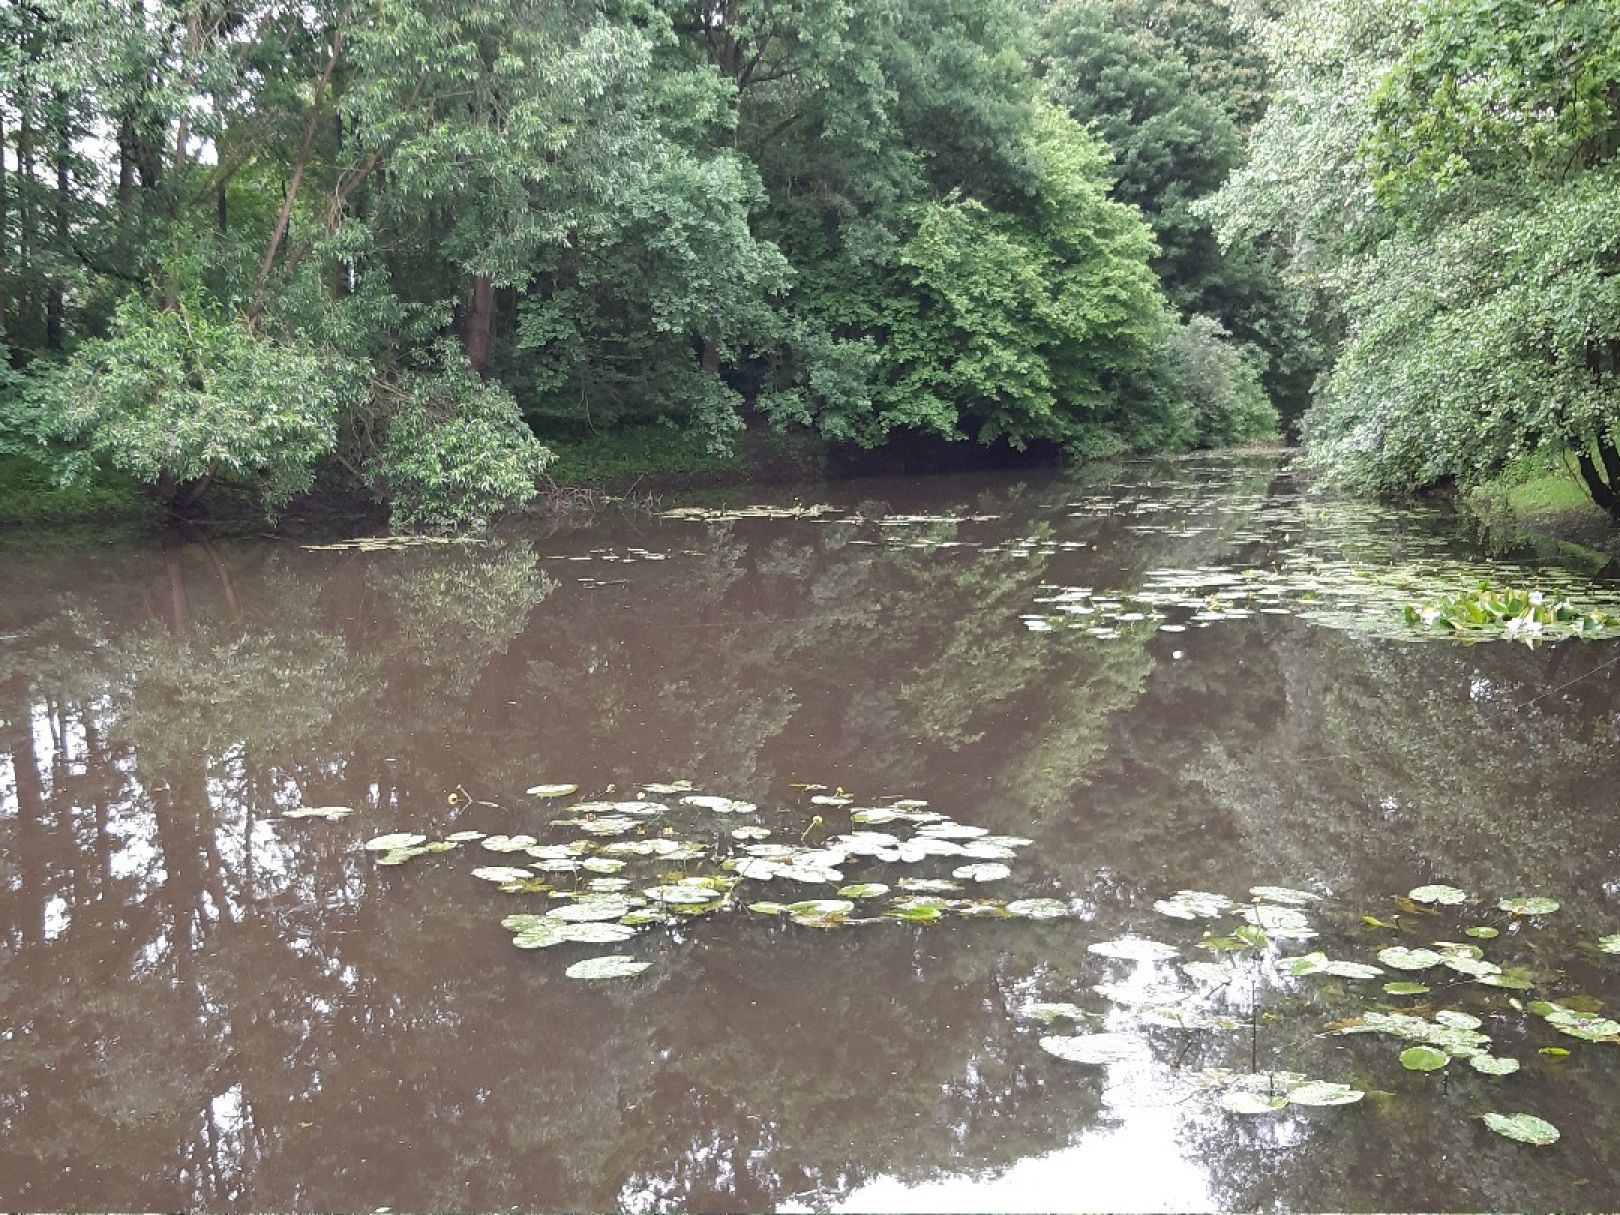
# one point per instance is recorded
(1605, 493)
(480, 322)
(5, 248)
(55, 310)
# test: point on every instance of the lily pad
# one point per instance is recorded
(508, 843)
(1321, 964)
(1482, 932)
(552, 790)
(1406, 988)
(1242, 1101)
(592, 907)
(1424, 1059)
(1096, 1049)
(464, 837)
(597, 933)
(683, 894)
(1401, 958)
(1132, 949)
(501, 873)
(863, 890)
(1193, 905)
(820, 907)
(987, 872)
(613, 966)
(1285, 894)
(1324, 1092)
(928, 885)
(951, 831)
(1209, 972)
(328, 813)
(1610, 944)
(1284, 923)
(389, 843)
(1445, 896)
(1493, 1065)
(541, 936)
(1529, 905)
(1525, 1128)
(720, 805)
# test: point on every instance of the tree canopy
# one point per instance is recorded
(406, 243)
(1444, 173)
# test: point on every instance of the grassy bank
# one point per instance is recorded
(619, 459)
(28, 496)
(1549, 508)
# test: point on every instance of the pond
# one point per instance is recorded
(963, 837)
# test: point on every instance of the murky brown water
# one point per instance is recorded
(204, 1005)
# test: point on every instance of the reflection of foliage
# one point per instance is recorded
(456, 610)
(247, 984)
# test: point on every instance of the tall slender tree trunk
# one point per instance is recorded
(480, 322)
(5, 241)
(25, 216)
(55, 300)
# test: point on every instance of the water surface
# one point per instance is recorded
(206, 1005)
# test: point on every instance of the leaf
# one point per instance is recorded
(1610, 944)
(1193, 905)
(863, 890)
(1529, 905)
(1446, 896)
(591, 907)
(1324, 1092)
(1285, 894)
(1424, 1059)
(1401, 958)
(1038, 909)
(719, 805)
(987, 872)
(1525, 1128)
(1242, 1101)
(1406, 989)
(1492, 1065)
(389, 843)
(1482, 932)
(1132, 949)
(501, 873)
(613, 966)
(682, 894)
(540, 936)
(551, 790)
(508, 843)
(329, 813)
(1096, 1049)
(821, 907)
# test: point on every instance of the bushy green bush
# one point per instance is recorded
(1211, 386)
(176, 398)
(455, 450)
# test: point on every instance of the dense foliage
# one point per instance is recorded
(407, 242)
(1445, 172)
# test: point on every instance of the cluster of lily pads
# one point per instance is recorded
(1246, 954)
(1351, 566)
(892, 531)
(1337, 594)
(673, 854)
(388, 544)
(1515, 614)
